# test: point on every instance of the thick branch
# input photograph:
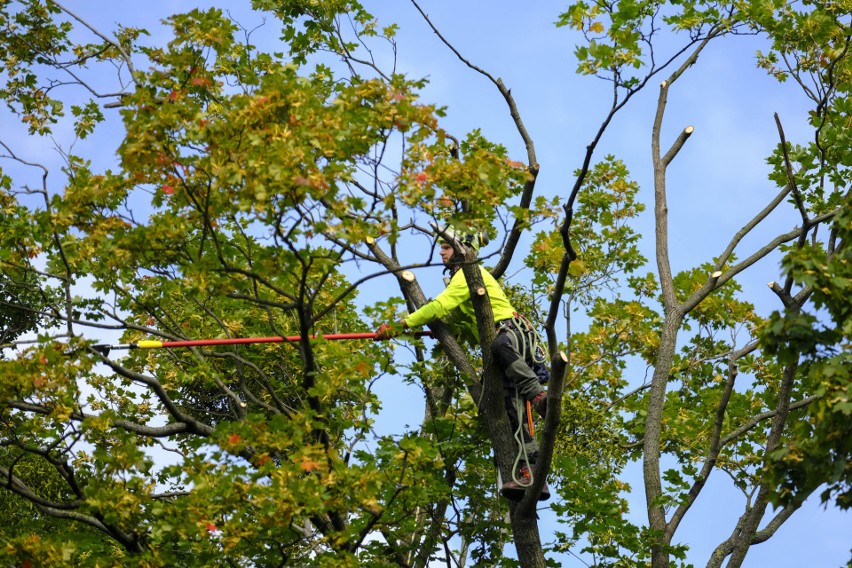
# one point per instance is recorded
(193, 425)
(725, 548)
(660, 164)
(678, 144)
(661, 211)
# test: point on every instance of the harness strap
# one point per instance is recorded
(519, 326)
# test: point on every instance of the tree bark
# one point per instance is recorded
(523, 518)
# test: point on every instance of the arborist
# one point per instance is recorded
(516, 350)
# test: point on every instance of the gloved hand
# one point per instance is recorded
(385, 331)
(542, 372)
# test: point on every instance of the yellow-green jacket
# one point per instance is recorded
(457, 296)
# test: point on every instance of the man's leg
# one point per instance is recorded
(525, 380)
(514, 488)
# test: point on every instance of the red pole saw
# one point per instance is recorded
(157, 344)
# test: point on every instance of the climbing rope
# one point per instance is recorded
(520, 408)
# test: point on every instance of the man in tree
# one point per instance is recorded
(516, 349)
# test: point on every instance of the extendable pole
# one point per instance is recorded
(157, 344)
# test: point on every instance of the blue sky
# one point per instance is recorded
(716, 184)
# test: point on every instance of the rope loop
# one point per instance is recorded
(520, 328)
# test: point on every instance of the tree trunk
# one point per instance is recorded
(653, 438)
(527, 541)
(743, 539)
(524, 518)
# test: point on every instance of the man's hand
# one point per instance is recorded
(386, 331)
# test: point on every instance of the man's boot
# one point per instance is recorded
(514, 490)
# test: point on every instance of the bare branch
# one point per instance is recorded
(677, 145)
(746, 229)
(727, 547)
(717, 280)
(127, 59)
(532, 161)
(791, 179)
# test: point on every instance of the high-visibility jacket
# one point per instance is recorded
(457, 296)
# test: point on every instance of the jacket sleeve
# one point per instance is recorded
(448, 300)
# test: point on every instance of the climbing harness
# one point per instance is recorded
(527, 341)
(520, 324)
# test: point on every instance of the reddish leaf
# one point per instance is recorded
(309, 465)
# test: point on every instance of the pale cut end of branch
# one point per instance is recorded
(782, 294)
(775, 287)
(663, 84)
(716, 274)
(480, 291)
(370, 240)
(688, 130)
(407, 275)
(559, 362)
